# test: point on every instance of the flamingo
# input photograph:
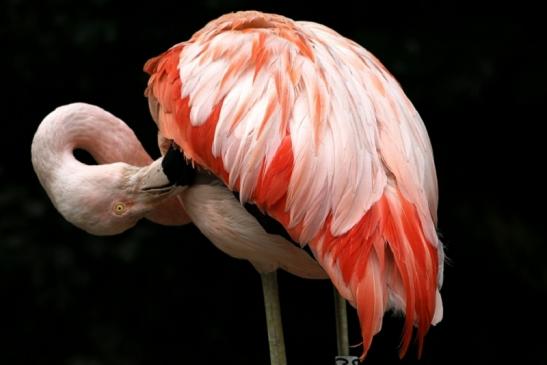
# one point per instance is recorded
(304, 124)
(313, 130)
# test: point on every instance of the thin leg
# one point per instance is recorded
(273, 318)
(342, 339)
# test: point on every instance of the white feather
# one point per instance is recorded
(343, 151)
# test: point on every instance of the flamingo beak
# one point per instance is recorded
(167, 177)
(166, 173)
(153, 179)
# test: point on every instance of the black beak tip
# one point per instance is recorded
(175, 167)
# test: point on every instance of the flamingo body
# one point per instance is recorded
(312, 128)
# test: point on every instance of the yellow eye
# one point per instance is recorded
(119, 208)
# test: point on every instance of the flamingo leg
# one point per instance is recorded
(273, 318)
(340, 309)
(342, 340)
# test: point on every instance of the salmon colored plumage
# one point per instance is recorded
(311, 128)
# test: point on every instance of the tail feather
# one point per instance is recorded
(371, 297)
(385, 262)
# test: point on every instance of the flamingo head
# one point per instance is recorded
(110, 197)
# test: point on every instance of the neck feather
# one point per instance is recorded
(90, 128)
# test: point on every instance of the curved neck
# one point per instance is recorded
(90, 128)
(105, 137)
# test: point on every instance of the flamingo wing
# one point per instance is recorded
(311, 128)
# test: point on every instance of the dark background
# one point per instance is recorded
(158, 295)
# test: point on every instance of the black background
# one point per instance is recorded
(158, 295)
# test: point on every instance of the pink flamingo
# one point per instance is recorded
(303, 123)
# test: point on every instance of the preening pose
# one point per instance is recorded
(304, 124)
(127, 185)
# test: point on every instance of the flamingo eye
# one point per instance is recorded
(119, 208)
